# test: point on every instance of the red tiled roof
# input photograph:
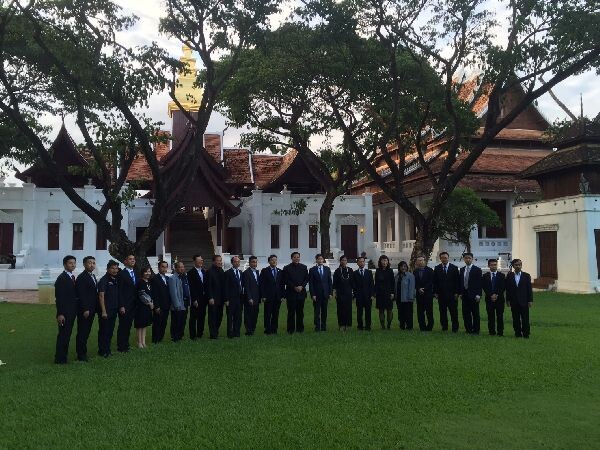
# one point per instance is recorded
(212, 144)
(265, 167)
(140, 170)
(237, 164)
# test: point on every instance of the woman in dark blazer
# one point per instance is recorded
(384, 291)
(144, 307)
(342, 284)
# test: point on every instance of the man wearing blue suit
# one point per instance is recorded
(321, 288)
(471, 282)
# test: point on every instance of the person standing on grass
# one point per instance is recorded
(144, 307)
(519, 294)
(216, 281)
(342, 284)
(87, 292)
(198, 290)
(179, 292)
(127, 300)
(405, 296)
(67, 305)
(424, 292)
(446, 287)
(364, 291)
(252, 295)
(321, 288)
(295, 276)
(162, 302)
(471, 280)
(233, 292)
(272, 290)
(494, 285)
(384, 291)
(108, 300)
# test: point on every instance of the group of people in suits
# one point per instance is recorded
(199, 296)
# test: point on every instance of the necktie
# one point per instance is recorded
(132, 275)
(321, 271)
(467, 270)
(493, 281)
(237, 275)
(73, 278)
(362, 273)
(94, 278)
(446, 269)
(255, 275)
(274, 271)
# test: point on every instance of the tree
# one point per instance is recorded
(63, 57)
(459, 215)
(400, 101)
(276, 93)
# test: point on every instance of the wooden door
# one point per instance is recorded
(234, 241)
(548, 254)
(350, 241)
(7, 234)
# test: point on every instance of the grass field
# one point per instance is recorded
(383, 389)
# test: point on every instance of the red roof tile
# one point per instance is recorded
(212, 144)
(237, 164)
(140, 170)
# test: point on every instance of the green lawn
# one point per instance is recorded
(384, 389)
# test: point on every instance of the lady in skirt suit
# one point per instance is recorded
(384, 291)
(342, 284)
(144, 307)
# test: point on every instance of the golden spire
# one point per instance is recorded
(186, 92)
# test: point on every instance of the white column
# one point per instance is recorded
(259, 228)
(368, 226)
(381, 225)
(397, 226)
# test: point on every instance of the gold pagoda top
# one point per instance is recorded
(186, 92)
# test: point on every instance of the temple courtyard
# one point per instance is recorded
(356, 389)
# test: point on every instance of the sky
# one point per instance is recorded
(146, 30)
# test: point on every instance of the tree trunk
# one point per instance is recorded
(324, 223)
(424, 242)
(121, 246)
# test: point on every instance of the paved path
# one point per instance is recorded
(21, 296)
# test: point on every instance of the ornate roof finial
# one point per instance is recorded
(187, 93)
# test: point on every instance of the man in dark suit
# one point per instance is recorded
(272, 291)
(321, 288)
(519, 294)
(159, 284)
(197, 280)
(251, 295)
(471, 280)
(446, 287)
(126, 280)
(108, 301)
(494, 285)
(87, 292)
(295, 276)
(67, 306)
(216, 281)
(424, 292)
(234, 289)
(364, 291)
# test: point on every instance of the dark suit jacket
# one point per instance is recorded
(475, 281)
(216, 283)
(65, 292)
(251, 285)
(363, 286)
(321, 287)
(87, 292)
(271, 288)
(127, 290)
(198, 289)
(233, 288)
(160, 292)
(499, 286)
(446, 284)
(521, 294)
(424, 282)
(295, 275)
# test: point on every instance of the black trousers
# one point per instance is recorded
(364, 306)
(106, 329)
(295, 315)
(448, 304)
(215, 317)
(271, 315)
(344, 311)
(425, 313)
(320, 316)
(495, 313)
(197, 319)
(159, 325)
(124, 329)
(470, 312)
(234, 319)
(178, 319)
(63, 338)
(520, 316)
(250, 317)
(405, 315)
(84, 327)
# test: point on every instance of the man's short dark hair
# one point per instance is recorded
(68, 258)
(87, 258)
(215, 257)
(271, 257)
(111, 263)
(128, 255)
(233, 257)
(342, 257)
(516, 260)
(318, 255)
(196, 256)
(252, 258)
(467, 254)
(360, 257)
(444, 253)
(492, 260)
(179, 262)
(294, 253)
(160, 263)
